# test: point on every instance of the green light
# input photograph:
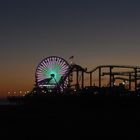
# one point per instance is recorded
(53, 71)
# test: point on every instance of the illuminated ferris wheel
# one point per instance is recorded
(52, 73)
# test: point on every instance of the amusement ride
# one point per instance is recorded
(55, 75)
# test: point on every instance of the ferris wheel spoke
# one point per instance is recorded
(51, 69)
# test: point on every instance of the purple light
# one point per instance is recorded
(52, 65)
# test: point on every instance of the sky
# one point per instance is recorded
(95, 32)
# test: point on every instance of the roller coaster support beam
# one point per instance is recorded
(82, 80)
(90, 78)
(135, 69)
(129, 81)
(99, 77)
(113, 80)
(110, 70)
(77, 79)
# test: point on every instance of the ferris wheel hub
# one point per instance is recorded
(52, 75)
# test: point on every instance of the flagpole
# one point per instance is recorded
(70, 58)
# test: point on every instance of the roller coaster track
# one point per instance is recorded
(123, 72)
(132, 73)
(126, 79)
(134, 70)
(76, 67)
(113, 66)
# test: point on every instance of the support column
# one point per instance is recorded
(135, 69)
(110, 71)
(99, 77)
(82, 79)
(113, 80)
(129, 81)
(90, 79)
(77, 79)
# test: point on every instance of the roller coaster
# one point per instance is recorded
(56, 75)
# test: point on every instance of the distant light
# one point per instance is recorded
(20, 92)
(96, 92)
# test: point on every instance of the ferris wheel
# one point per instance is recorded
(52, 73)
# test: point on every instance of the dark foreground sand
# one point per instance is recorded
(71, 117)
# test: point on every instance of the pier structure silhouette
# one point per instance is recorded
(57, 101)
(56, 75)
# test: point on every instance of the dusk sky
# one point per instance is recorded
(96, 32)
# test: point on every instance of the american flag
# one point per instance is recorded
(71, 57)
